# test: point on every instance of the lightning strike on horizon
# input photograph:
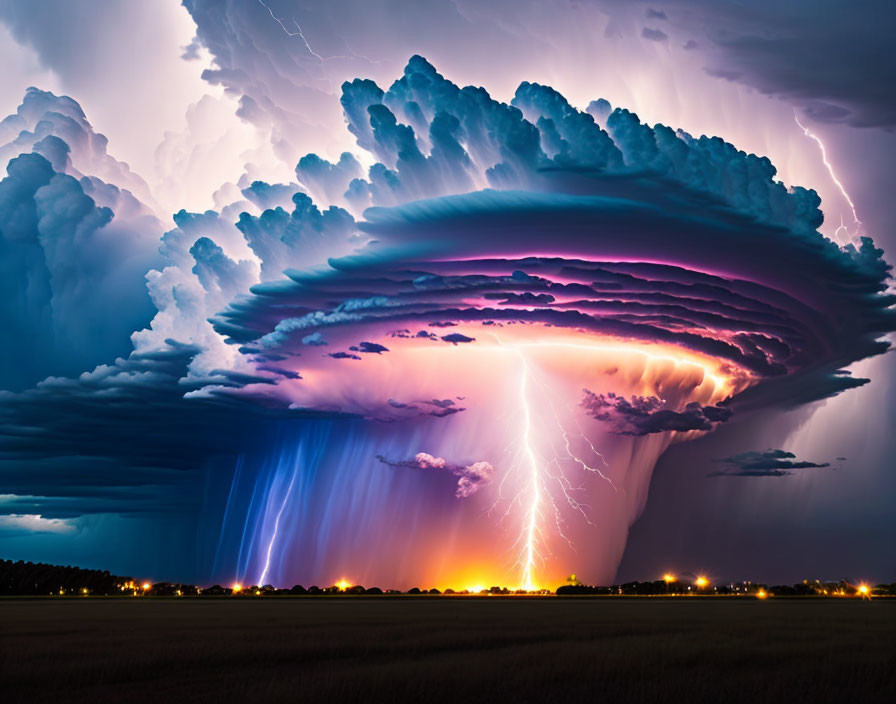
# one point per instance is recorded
(530, 550)
(830, 168)
(539, 477)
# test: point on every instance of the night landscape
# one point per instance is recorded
(447, 351)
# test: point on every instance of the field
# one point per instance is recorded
(459, 650)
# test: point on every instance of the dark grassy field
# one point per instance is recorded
(447, 649)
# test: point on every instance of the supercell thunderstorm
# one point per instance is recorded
(462, 363)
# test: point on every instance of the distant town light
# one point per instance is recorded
(146, 586)
(761, 594)
(702, 582)
(237, 588)
(668, 578)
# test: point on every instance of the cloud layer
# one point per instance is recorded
(531, 219)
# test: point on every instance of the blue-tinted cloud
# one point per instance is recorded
(72, 286)
(768, 463)
(598, 226)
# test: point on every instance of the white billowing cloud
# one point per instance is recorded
(469, 477)
(121, 60)
(35, 523)
(211, 147)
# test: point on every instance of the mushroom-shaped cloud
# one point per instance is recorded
(534, 299)
(606, 290)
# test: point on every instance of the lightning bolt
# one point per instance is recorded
(534, 478)
(301, 35)
(539, 468)
(536, 497)
(830, 168)
(276, 530)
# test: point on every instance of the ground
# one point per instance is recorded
(459, 650)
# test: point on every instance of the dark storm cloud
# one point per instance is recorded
(783, 310)
(456, 337)
(639, 233)
(815, 54)
(372, 348)
(818, 55)
(342, 355)
(122, 438)
(654, 35)
(54, 238)
(768, 463)
(643, 415)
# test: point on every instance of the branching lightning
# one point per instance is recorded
(301, 35)
(538, 494)
(837, 182)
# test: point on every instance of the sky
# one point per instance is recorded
(285, 302)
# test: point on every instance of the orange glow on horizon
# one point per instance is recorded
(702, 582)
(550, 366)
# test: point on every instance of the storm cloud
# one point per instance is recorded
(643, 415)
(486, 217)
(767, 463)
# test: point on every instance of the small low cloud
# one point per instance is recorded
(456, 337)
(654, 35)
(469, 477)
(343, 355)
(315, 339)
(34, 523)
(767, 463)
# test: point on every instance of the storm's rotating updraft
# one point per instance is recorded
(476, 349)
(540, 301)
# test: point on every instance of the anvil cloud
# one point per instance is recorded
(555, 293)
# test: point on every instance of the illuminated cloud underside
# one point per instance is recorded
(554, 294)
